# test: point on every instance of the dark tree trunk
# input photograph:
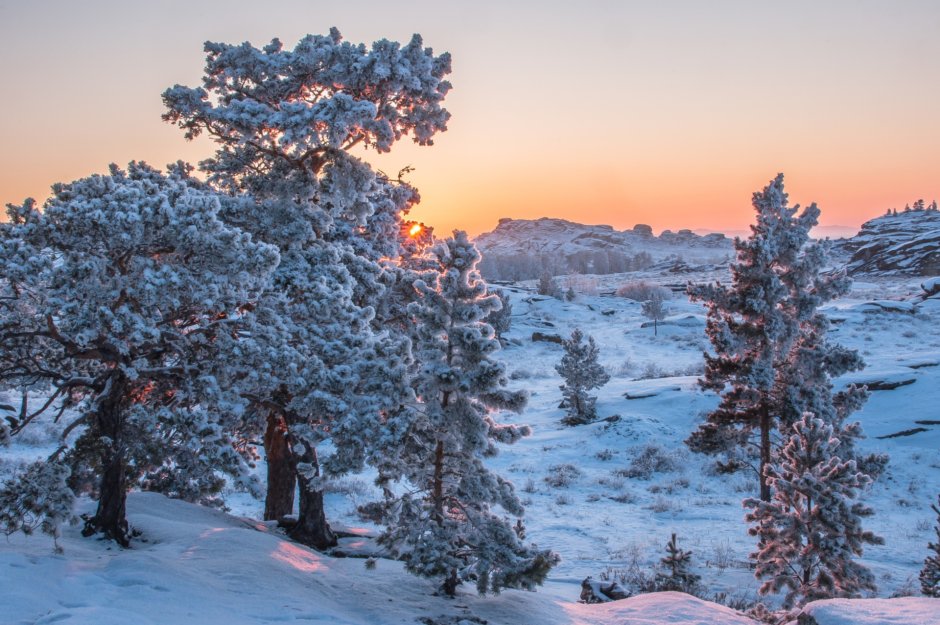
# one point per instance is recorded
(450, 583)
(111, 516)
(437, 490)
(765, 423)
(282, 480)
(311, 528)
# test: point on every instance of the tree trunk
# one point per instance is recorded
(111, 515)
(438, 486)
(765, 423)
(282, 480)
(311, 528)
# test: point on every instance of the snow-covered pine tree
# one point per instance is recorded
(120, 298)
(582, 373)
(548, 285)
(811, 529)
(445, 525)
(675, 573)
(930, 574)
(655, 309)
(752, 325)
(286, 121)
(501, 318)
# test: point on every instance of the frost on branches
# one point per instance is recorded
(445, 524)
(768, 338)
(582, 373)
(120, 300)
(319, 364)
(811, 529)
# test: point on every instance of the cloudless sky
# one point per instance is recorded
(670, 113)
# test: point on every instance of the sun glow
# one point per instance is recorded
(415, 230)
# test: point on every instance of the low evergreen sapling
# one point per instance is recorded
(930, 574)
(582, 373)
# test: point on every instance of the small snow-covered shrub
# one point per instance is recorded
(652, 371)
(562, 475)
(648, 460)
(643, 291)
(625, 369)
(624, 497)
(604, 455)
(661, 505)
(562, 500)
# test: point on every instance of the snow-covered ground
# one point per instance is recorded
(605, 496)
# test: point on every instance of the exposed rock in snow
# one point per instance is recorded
(907, 243)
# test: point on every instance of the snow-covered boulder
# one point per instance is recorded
(899, 611)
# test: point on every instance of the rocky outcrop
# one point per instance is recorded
(906, 243)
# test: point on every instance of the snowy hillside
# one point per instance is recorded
(198, 566)
(605, 496)
(908, 242)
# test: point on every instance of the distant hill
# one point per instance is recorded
(520, 249)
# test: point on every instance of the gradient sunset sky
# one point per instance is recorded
(668, 113)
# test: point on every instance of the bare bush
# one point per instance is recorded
(643, 291)
(562, 475)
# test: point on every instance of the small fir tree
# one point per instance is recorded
(811, 529)
(445, 525)
(548, 285)
(930, 574)
(501, 318)
(582, 373)
(675, 573)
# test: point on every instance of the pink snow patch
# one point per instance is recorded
(657, 608)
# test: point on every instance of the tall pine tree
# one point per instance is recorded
(285, 122)
(446, 524)
(767, 335)
(121, 301)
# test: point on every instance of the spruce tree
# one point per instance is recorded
(582, 373)
(675, 573)
(445, 525)
(930, 574)
(811, 529)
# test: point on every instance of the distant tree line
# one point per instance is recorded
(514, 267)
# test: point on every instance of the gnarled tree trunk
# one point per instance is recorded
(110, 517)
(311, 528)
(282, 480)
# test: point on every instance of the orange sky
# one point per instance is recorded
(665, 113)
